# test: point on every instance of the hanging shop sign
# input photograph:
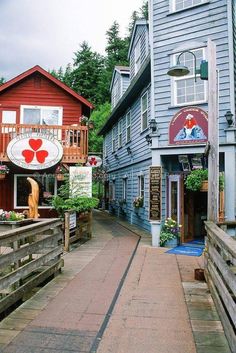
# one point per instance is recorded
(155, 193)
(188, 126)
(94, 161)
(34, 150)
(80, 181)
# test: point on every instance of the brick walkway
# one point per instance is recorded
(159, 309)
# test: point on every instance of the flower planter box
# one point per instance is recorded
(9, 225)
(204, 187)
(171, 243)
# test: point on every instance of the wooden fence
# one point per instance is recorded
(220, 270)
(32, 253)
(77, 226)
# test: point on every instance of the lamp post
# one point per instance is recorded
(213, 133)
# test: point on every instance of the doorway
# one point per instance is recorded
(195, 213)
(188, 208)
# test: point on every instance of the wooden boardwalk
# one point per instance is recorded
(100, 304)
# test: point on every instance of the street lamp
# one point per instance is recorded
(208, 72)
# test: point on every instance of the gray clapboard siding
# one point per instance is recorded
(141, 33)
(179, 32)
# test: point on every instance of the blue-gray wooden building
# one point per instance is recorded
(179, 105)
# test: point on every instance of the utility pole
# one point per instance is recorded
(213, 135)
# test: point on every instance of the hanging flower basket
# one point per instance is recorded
(204, 186)
(3, 171)
(60, 172)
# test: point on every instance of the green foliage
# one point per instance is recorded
(2, 80)
(99, 117)
(195, 178)
(64, 202)
(170, 230)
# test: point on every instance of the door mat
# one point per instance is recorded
(195, 243)
(186, 250)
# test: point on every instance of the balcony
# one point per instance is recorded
(73, 138)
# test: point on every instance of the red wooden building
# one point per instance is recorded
(40, 128)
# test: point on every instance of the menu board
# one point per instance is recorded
(155, 193)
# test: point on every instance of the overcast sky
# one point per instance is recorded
(48, 32)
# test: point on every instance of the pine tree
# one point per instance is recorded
(88, 67)
(2, 80)
(144, 10)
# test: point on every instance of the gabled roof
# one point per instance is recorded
(123, 70)
(140, 81)
(46, 74)
(140, 22)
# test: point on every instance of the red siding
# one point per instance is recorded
(38, 90)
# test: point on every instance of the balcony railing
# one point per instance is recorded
(73, 138)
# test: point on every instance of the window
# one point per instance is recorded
(116, 94)
(112, 190)
(186, 90)
(40, 115)
(9, 117)
(141, 185)
(128, 127)
(113, 139)
(120, 134)
(137, 56)
(183, 4)
(125, 189)
(144, 111)
(47, 188)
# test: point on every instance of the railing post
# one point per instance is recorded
(67, 232)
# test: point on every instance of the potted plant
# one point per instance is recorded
(3, 171)
(84, 120)
(60, 172)
(197, 180)
(138, 202)
(170, 233)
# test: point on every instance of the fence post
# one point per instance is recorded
(67, 232)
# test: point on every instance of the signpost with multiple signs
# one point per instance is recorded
(155, 193)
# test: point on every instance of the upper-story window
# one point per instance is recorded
(116, 93)
(137, 56)
(144, 111)
(128, 127)
(113, 139)
(141, 186)
(41, 115)
(120, 133)
(124, 189)
(183, 4)
(185, 89)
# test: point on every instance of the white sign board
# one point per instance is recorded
(81, 181)
(34, 150)
(72, 220)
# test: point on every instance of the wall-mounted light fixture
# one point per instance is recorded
(229, 118)
(116, 156)
(153, 125)
(180, 70)
(129, 150)
(148, 139)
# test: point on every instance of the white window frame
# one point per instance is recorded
(15, 191)
(137, 56)
(41, 107)
(128, 126)
(113, 141)
(116, 95)
(144, 111)
(141, 186)
(187, 77)
(120, 133)
(113, 190)
(173, 5)
(124, 189)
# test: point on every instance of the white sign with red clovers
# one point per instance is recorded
(35, 151)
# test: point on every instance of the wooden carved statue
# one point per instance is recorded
(33, 199)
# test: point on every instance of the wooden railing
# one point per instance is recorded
(29, 255)
(74, 139)
(77, 226)
(220, 270)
